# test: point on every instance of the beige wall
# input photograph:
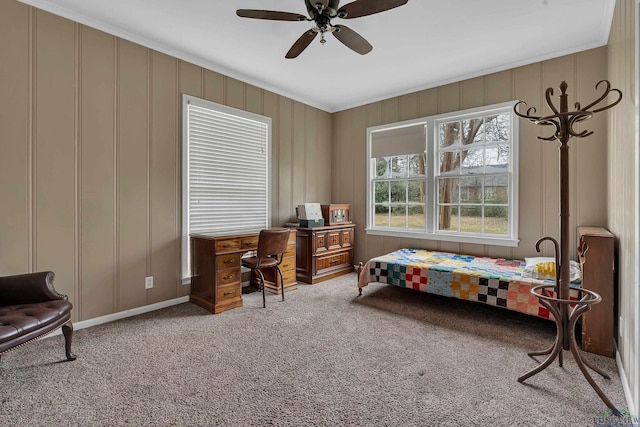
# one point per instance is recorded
(90, 159)
(623, 191)
(539, 160)
(90, 140)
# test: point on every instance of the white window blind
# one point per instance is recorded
(226, 171)
(392, 141)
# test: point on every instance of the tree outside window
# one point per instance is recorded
(473, 174)
(447, 177)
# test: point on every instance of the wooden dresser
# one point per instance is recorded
(596, 252)
(216, 277)
(324, 252)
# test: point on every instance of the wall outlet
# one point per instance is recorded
(148, 282)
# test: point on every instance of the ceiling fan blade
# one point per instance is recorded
(301, 44)
(270, 14)
(352, 40)
(360, 8)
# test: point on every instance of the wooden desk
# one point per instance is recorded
(216, 277)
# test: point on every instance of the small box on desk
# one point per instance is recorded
(308, 223)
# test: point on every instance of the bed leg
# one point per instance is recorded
(359, 268)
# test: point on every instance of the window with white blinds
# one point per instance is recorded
(226, 155)
(450, 177)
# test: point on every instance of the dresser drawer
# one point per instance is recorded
(228, 292)
(228, 261)
(227, 277)
(346, 238)
(333, 239)
(334, 260)
(319, 242)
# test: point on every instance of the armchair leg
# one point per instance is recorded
(67, 331)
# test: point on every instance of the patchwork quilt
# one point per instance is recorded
(492, 281)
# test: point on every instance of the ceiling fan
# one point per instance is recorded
(322, 12)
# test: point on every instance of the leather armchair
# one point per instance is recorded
(30, 308)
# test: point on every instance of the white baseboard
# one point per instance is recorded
(625, 386)
(123, 314)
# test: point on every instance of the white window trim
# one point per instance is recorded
(186, 100)
(431, 232)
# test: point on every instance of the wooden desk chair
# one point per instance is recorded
(272, 244)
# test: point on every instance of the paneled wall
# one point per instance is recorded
(90, 158)
(623, 191)
(538, 163)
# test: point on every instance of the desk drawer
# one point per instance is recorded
(272, 278)
(249, 243)
(288, 264)
(228, 292)
(227, 277)
(228, 261)
(291, 251)
(227, 245)
(288, 276)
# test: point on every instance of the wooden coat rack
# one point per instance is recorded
(559, 304)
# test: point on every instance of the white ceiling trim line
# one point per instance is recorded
(481, 73)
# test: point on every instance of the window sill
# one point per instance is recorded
(479, 240)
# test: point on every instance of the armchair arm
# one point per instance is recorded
(28, 288)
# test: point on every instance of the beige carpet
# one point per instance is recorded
(324, 357)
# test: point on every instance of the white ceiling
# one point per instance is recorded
(422, 44)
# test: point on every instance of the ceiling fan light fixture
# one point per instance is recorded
(322, 12)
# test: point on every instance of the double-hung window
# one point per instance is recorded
(450, 177)
(226, 156)
(399, 179)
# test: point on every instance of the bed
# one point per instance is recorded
(492, 281)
